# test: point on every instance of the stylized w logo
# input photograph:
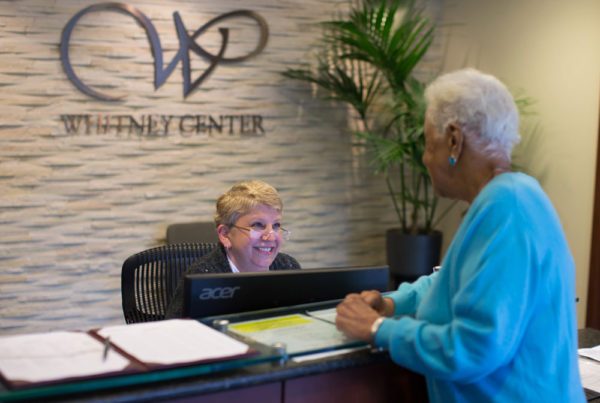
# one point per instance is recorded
(186, 43)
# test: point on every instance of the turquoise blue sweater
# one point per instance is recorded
(497, 322)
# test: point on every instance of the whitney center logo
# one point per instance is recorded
(161, 125)
(187, 44)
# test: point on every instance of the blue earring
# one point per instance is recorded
(452, 161)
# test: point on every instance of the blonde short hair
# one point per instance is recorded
(242, 198)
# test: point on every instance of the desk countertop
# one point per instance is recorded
(254, 375)
(273, 372)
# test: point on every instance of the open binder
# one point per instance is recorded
(48, 358)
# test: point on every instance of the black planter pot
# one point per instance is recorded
(411, 256)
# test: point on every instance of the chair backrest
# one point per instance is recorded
(198, 231)
(149, 278)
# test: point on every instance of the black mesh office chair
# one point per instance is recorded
(149, 278)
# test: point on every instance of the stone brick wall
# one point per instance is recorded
(75, 204)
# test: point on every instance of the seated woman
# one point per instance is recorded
(497, 322)
(248, 221)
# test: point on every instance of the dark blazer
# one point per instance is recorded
(216, 262)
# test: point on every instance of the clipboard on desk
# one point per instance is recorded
(303, 329)
(42, 359)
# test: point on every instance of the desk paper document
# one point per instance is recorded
(173, 341)
(590, 374)
(300, 333)
(56, 355)
(592, 352)
(589, 367)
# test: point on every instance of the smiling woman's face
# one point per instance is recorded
(251, 253)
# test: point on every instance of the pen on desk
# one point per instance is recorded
(321, 319)
(106, 348)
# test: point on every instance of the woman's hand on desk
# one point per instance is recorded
(355, 317)
(383, 306)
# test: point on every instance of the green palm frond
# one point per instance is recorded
(368, 63)
(371, 35)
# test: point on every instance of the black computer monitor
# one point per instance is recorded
(225, 293)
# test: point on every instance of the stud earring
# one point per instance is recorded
(452, 160)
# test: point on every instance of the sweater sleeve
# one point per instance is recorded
(492, 297)
(409, 295)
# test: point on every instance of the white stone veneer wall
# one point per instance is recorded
(73, 207)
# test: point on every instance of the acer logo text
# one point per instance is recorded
(218, 293)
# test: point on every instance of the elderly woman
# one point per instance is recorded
(497, 322)
(248, 221)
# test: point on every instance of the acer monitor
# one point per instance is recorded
(226, 293)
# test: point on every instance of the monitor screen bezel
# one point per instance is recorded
(378, 274)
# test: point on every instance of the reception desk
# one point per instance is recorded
(361, 375)
(358, 376)
(345, 371)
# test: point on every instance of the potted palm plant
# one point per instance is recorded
(367, 61)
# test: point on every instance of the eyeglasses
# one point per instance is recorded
(260, 232)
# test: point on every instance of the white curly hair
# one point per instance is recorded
(480, 104)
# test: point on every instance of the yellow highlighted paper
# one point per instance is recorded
(269, 324)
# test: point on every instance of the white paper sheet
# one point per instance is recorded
(56, 355)
(592, 352)
(590, 374)
(173, 341)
